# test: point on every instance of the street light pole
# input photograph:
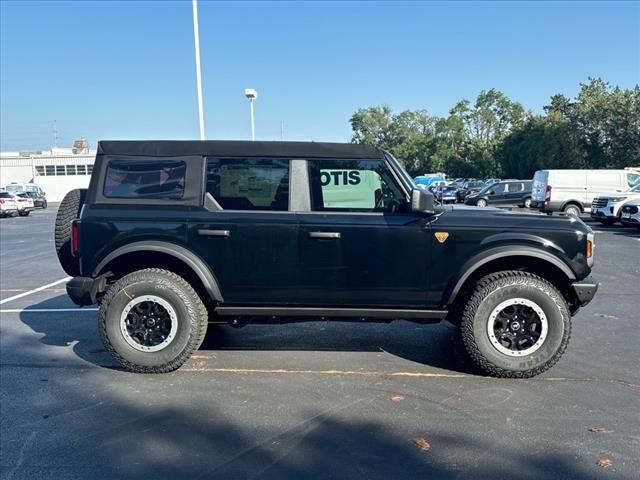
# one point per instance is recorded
(253, 121)
(251, 94)
(196, 39)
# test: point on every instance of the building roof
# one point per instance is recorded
(172, 148)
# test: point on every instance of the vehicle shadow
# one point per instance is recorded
(435, 345)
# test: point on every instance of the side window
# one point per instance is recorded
(633, 179)
(145, 179)
(354, 186)
(498, 188)
(249, 183)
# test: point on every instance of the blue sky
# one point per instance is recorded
(126, 69)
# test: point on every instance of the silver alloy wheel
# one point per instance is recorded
(572, 210)
(517, 327)
(527, 203)
(482, 203)
(148, 323)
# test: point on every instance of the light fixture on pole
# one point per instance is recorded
(196, 39)
(251, 94)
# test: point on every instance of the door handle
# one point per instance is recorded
(332, 235)
(205, 232)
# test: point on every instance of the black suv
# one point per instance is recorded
(506, 192)
(173, 235)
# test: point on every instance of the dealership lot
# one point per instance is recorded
(317, 400)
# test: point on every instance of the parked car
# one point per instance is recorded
(8, 205)
(428, 179)
(24, 203)
(631, 213)
(39, 200)
(502, 193)
(34, 191)
(573, 191)
(448, 194)
(607, 208)
(232, 232)
(469, 188)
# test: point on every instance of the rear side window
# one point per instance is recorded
(145, 179)
(249, 183)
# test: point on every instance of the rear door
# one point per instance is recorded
(360, 245)
(245, 230)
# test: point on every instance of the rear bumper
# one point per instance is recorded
(83, 290)
(585, 290)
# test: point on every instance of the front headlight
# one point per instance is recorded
(617, 199)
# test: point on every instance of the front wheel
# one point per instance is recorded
(515, 325)
(151, 321)
(482, 203)
(25, 213)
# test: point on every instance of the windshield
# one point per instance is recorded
(487, 188)
(636, 189)
(13, 188)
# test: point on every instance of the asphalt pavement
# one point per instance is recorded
(313, 400)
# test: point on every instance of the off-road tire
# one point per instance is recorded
(68, 211)
(191, 314)
(489, 292)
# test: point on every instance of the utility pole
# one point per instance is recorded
(281, 130)
(55, 134)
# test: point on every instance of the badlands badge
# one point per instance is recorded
(441, 236)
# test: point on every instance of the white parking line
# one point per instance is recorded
(47, 310)
(35, 290)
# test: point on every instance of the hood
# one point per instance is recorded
(498, 218)
(628, 194)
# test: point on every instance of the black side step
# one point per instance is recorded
(391, 313)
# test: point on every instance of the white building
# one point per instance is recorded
(56, 171)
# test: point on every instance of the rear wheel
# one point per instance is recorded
(24, 213)
(515, 324)
(527, 203)
(572, 209)
(68, 211)
(151, 321)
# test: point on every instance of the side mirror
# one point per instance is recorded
(492, 192)
(421, 201)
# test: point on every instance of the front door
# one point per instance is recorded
(245, 231)
(360, 245)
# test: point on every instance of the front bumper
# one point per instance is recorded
(84, 290)
(585, 290)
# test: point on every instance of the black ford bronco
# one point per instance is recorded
(173, 235)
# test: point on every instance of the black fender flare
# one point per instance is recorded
(195, 262)
(486, 256)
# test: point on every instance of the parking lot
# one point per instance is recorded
(314, 400)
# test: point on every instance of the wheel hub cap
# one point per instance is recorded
(148, 323)
(517, 327)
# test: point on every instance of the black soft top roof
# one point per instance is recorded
(172, 148)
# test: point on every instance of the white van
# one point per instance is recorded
(572, 191)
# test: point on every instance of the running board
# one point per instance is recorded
(332, 312)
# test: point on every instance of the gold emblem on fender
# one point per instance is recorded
(441, 236)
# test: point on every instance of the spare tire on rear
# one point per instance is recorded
(68, 211)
